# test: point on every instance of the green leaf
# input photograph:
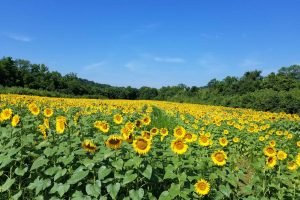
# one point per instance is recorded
(8, 183)
(77, 176)
(60, 188)
(164, 196)
(118, 164)
(39, 185)
(136, 194)
(113, 190)
(148, 172)
(17, 196)
(225, 190)
(61, 172)
(52, 170)
(174, 190)
(103, 172)
(92, 190)
(129, 178)
(38, 163)
(21, 172)
(5, 161)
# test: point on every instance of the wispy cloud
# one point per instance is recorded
(211, 36)
(18, 37)
(169, 59)
(249, 63)
(143, 29)
(95, 66)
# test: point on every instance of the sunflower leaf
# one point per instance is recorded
(103, 172)
(113, 190)
(148, 172)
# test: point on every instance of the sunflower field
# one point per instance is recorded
(60, 148)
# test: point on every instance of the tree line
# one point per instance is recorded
(277, 92)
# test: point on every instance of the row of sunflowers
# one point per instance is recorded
(60, 148)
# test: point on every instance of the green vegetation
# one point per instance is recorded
(275, 92)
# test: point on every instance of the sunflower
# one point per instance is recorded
(6, 114)
(125, 133)
(179, 132)
(154, 131)
(204, 141)
(114, 141)
(34, 109)
(130, 126)
(202, 187)
(236, 139)
(118, 119)
(272, 143)
(225, 132)
(48, 112)
(298, 159)
(42, 129)
(46, 123)
(15, 120)
(190, 137)
(223, 141)
(281, 155)
(164, 132)
(146, 120)
(271, 161)
(178, 146)
(298, 143)
(292, 166)
(270, 151)
(102, 126)
(60, 124)
(141, 145)
(138, 123)
(147, 135)
(89, 146)
(219, 157)
(261, 138)
(289, 136)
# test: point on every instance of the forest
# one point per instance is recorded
(274, 92)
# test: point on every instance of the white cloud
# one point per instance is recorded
(95, 66)
(18, 37)
(169, 59)
(250, 63)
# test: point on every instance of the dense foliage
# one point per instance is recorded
(275, 92)
(60, 148)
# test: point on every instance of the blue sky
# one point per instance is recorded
(152, 42)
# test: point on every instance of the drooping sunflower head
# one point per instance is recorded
(138, 123)
(190, 137)
(147, 135)
(271, 161)
(48, 112)
(270, 151)
(178, 146)
(219, 157)
(179, 132)
(281, 155)
(89, 146)
(118, 119)
(272, 143)
(202, 187)
(61, 122)
(292, 166)
(15, 120)
(114, 141)
(141, 145)
(223, 141)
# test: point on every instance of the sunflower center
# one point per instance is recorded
(201, 186)
(270, 150)
(219, 157)
(188, 136)
(179, 145)
(114, 141)
(142, 144)
(204, 139)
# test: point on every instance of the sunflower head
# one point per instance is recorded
(272, 143)
(271, 161)
(270, 151)
(34, 109)
(179, 132)
(236, 139)
(219, 157)
(190, 137)
(15, 120)
(147, 135)
(89, 146)
(141, 145)
(164, 132)
(146, 120)
(48, 112)
(298, 159)
(178, 146)
(138, 123)
(292, 166)
(118, 119)
(223, 141)
(6, 114)
(204, 141)
(281, 155)
(154, 131)
(114, 141)
(61, 122)
(202, 187)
